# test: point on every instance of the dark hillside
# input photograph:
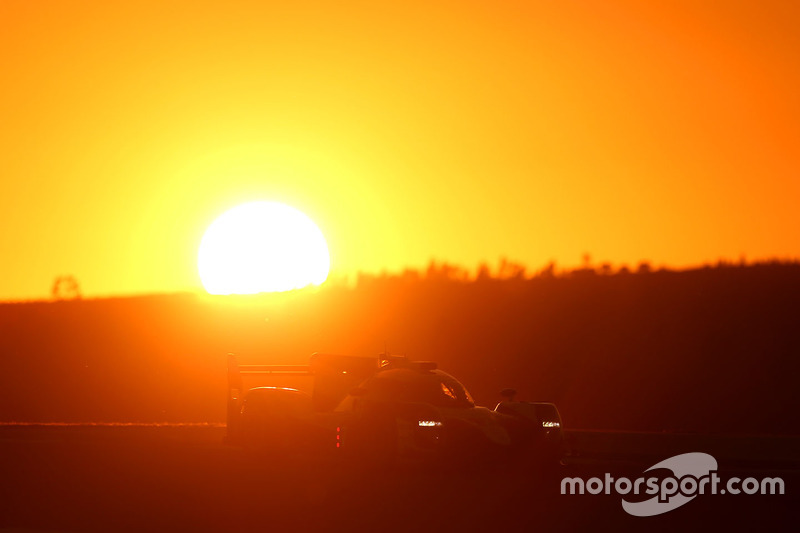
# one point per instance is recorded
(709, 350)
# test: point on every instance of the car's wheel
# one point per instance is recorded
(371, 439)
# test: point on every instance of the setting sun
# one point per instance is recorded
(262, 247)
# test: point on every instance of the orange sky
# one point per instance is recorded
(462, 131)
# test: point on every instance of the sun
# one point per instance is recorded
(262, 247)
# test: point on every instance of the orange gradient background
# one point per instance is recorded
(460, 131)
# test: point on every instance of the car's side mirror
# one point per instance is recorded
(508, 394)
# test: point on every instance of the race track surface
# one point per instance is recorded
(183, 478)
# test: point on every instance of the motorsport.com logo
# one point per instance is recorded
(692, 474)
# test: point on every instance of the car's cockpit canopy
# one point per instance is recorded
(408, 385)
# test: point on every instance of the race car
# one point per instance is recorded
(385, 408)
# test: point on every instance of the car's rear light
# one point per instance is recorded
(429, 423)
(549, 424)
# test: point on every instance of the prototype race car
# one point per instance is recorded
(384, 407)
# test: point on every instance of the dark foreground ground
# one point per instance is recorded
(182, 478)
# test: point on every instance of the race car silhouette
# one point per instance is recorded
(386, 407)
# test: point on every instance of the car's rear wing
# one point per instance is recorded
(236, 386)
(332, 376)
(235, 370)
